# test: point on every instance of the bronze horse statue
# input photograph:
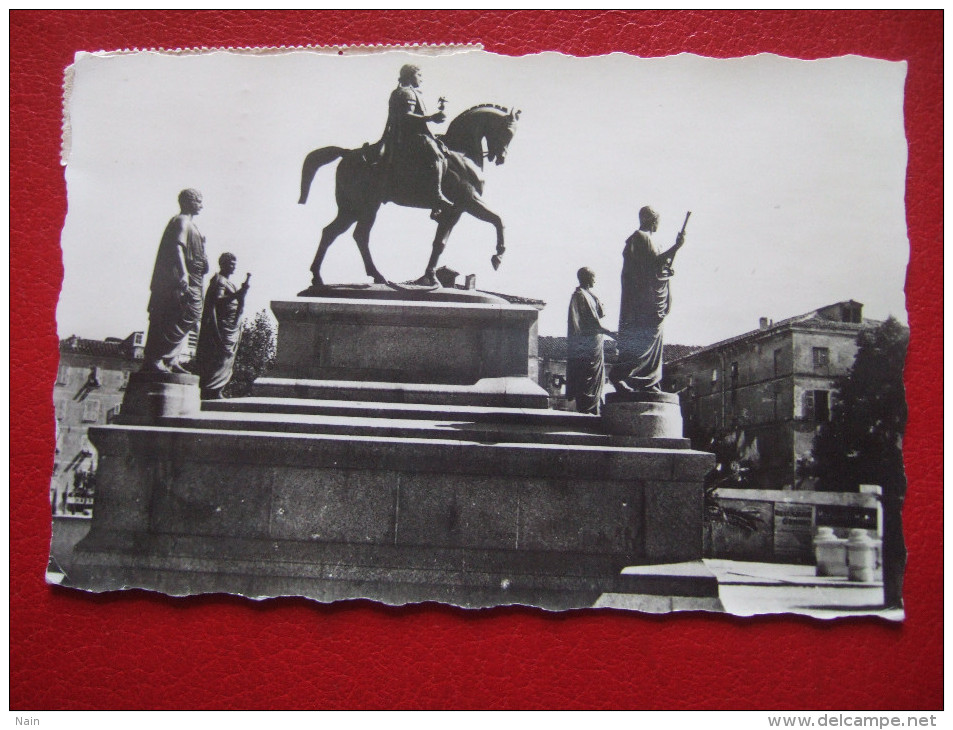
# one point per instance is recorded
(362, 185)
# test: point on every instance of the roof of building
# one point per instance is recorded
(110, 347)
(552, 348)
(674, 352)
(823, 318)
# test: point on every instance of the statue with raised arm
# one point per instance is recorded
(585, 362)
(646, 302)
(221, 329)
(175, 305)
(408, 141)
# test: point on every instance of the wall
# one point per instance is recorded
(788, 522)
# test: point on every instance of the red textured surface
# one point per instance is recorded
(139, 651)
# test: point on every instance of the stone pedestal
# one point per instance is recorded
(151, 396)
(644, 419)
(446, 347)
(389, 341)
(426, 486)
(396, 519)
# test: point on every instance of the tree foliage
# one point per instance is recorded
(736, 467)
(862, 442)
(256, 352)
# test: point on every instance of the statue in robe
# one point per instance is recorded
(646, 301)
(175, 304)
(221, 329)
(585, 362)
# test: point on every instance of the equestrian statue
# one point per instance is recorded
(411, 167)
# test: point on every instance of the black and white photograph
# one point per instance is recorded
(441, 325)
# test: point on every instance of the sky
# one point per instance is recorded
(793, 171)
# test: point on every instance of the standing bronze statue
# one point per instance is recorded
(646, 302)
(175, 305)
(221, 329)
(413, 168)
(585, 362)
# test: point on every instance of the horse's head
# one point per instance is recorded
(498, 140)
(495, 124)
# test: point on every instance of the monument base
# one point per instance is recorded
(448, 480)
(644, 419)
(154, 395)
(395, 502)
(388, 340)
(665, 588)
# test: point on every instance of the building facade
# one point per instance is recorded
(90, 384)
(770, 388)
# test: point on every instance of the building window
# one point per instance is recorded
(112, 413)
(92, 380)
(123, 379)
(817, 405)
(734, 375)
(777, 363)
(714, 377)
(822, 357)
(91, 410)
(62, 375)
(851, 313)
(775, 404)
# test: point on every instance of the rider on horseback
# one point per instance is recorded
(407, 134)
(363, 183)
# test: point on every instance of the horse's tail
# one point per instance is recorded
(314, 162)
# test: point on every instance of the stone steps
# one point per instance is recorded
(502, 392)
(405, 411)
(477, 424)
(473, 424)
(366, 420)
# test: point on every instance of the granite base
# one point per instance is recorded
(151, 396)
(190, 510)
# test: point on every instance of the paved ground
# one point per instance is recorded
(750, 589)
(747, 589)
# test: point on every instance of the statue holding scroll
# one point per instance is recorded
(221, 329)
(645, 303)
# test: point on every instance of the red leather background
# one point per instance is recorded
(141, 651)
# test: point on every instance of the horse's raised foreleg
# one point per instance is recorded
(362, 235)
(478, 210)
(445, 224)
(334, 229)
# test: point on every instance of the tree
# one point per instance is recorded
(256, 352)
(862, 443)
(736, 467)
